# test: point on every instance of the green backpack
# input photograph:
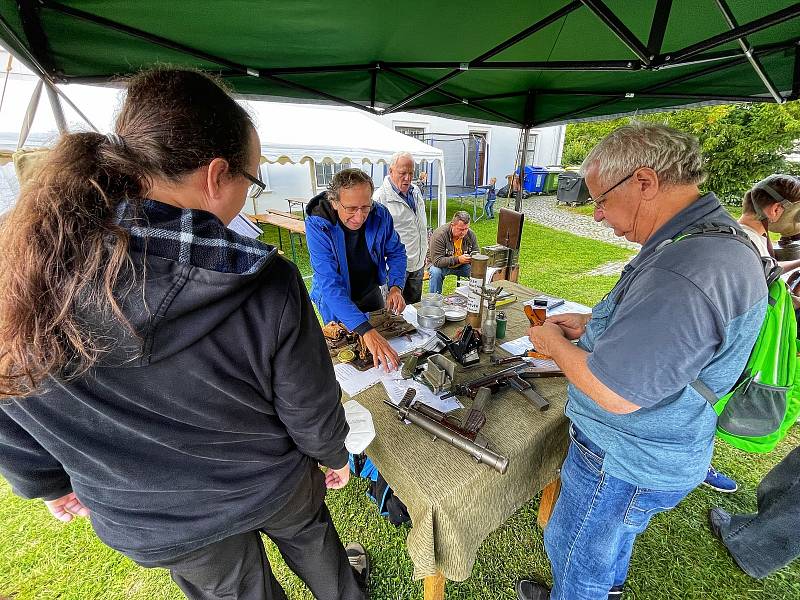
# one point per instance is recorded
(758, 412)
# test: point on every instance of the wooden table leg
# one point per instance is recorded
(549, 497)
(434, 587)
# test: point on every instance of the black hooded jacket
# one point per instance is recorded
(204, 424)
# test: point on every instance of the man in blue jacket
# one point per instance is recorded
(354, 251)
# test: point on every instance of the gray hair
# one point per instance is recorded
(673, 155)
(460, 215)
(348, 178)
(398, 155)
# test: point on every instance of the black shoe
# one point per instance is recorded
(359, 560)
(615, 593)
(718, 519)
(531, 590)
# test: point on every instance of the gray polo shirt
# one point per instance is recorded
(693, 310)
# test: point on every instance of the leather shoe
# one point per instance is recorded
(531, 590)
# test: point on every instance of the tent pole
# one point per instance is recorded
(525, 134)
(744, 44)
(618, 28)
(55, 105)
(30, 114)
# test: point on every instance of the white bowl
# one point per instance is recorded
(455, 313)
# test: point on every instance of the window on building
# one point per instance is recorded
(415, 132)
(325, 171)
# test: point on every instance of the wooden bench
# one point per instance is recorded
(292, 225)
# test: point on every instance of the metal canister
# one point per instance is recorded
(502, 321)
(477, 279)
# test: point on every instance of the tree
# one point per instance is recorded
(741, 143)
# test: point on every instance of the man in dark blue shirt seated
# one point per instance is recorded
(354, 251)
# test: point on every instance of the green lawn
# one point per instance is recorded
(677, 557)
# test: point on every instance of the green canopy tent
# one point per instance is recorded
(512, 62)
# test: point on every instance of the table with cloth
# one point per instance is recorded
(454, 502)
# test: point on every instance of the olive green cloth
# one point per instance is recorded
(454, 502)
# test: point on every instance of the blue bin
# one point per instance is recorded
(534, 180)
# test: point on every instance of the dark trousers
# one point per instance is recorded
(765, 541)
(412, 291)
(236, 568)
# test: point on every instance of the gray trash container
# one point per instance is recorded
(571, 189)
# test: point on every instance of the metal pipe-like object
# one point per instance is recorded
(482, 455)
(477, 279)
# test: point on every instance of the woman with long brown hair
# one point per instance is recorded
(160, 373)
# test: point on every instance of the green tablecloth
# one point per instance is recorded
(454, 502)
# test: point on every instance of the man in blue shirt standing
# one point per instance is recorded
(355, 251)
(682, 311)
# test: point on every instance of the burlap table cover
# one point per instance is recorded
(454, 502)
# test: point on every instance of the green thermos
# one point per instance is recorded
(501, 325)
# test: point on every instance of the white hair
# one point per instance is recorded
(673, 155)
(398, 155)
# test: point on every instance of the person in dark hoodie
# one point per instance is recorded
(160, 373)
(355, 250)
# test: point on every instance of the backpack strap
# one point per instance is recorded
(772, 272)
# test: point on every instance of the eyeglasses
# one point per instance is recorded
(601, 199)
(352, 210)
(256, 186)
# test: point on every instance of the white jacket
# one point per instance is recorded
(411, 227)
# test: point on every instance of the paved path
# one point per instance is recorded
(543, 210)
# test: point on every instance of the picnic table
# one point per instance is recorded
(454, 502)
(292, 225)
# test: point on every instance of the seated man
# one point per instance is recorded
(449, 250)
(354, 251)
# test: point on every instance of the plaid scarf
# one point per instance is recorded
(189, 236)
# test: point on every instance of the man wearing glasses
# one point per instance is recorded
(683, 312)
(355, 250)
(405, 203)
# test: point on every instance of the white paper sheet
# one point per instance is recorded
(362, 429)
(567, 307)
(396, 387)
(354, 381)
(407, 343)
(523, 344)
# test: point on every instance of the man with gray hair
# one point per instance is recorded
(451, 246)
(407, 207)
(684, 314)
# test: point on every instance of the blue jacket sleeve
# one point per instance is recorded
(30, 469)
(395, 254)
(331, 284)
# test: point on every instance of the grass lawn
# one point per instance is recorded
(677, 557)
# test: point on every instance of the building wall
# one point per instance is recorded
(503, 143)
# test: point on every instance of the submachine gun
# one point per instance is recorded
(514, 377)
(440, 426)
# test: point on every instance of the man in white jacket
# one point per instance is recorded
(407, 207)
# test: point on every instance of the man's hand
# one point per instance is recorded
(395, 302)
(464, 259)
(382, 352)
(66, 508)
(572, 324)
(337, 478)
(544, 336)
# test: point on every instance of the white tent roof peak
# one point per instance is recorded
(298, 133)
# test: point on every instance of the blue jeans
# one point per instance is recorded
(438, 275)
(489, 209)
(589, 539)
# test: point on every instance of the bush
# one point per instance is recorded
(741, 143)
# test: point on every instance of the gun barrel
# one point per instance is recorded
(482, 455)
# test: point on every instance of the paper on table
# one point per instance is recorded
(406, 343)
(523, 344)
(567, 307)
(396, 387)
(490, 271)
(354, 381)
